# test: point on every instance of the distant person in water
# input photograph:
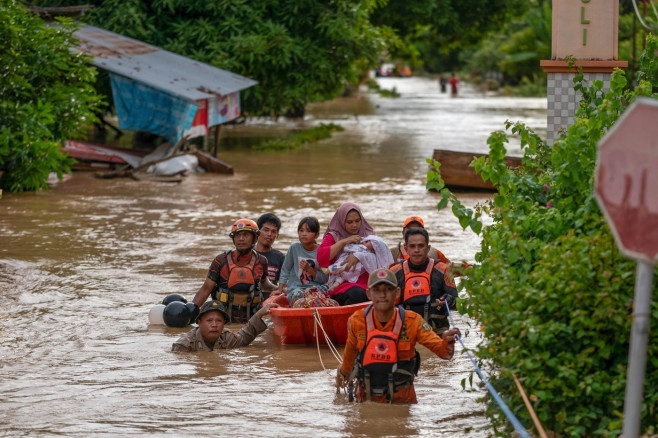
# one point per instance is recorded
(453, 85)
(443, 83)
(211, 335)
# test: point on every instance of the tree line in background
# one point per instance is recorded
(299, 52)
(303, 51)
(313, 50)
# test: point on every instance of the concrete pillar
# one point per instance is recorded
(588, 31)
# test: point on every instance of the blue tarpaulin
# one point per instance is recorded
(144, 108)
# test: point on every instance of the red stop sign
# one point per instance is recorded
(627, 180)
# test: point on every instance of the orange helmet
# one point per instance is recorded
(411, 219)
(244, 225)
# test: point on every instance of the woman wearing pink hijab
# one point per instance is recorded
(347, 226)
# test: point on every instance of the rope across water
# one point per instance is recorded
(506, 410)
(318, 323)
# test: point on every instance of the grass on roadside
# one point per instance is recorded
(374, 87)
(297, 139)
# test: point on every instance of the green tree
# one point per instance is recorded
(518, 47)
(298, 51)
(46, 98)
(433, 32)
(550, 288)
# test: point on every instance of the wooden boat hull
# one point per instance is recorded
(212, 164)
(298, 326)
(456, 172)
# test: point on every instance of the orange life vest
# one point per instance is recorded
(241, 278)
(417, 284)
(381, 348)
(378, 367)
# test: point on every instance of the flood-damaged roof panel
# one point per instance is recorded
(156, 67)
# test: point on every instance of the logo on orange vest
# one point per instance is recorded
(241, 274)
(381, 347)
(416, 292)
(415, 283)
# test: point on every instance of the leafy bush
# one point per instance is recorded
(550, 288)
(46, 96)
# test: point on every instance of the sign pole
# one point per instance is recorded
(637, 354)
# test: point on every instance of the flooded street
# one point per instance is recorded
(82, 264)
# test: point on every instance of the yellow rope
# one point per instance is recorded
(317, 338)
(318, 323)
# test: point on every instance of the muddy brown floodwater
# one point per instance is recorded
(82, 264)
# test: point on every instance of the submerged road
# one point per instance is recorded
(82, 264)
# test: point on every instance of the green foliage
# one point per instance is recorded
(299, 52)
(517, 48)
(373, 86)
(46, 97)
(527, 87)
(300, 138)
(649, 71)
(550, 288)
(432, 32)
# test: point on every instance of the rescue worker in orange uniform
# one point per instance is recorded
(237, 275)
(211, 335)
(425, 282)
(380, 350)
(400, 252)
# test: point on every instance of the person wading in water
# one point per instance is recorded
(380, 350)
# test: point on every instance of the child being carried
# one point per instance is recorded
(372, 252)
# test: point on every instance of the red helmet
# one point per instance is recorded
(244, 225)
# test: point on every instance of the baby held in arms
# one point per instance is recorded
(372, 252)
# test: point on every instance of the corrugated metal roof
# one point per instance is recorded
(158, 68)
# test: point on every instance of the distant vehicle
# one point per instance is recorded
(389, 69)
